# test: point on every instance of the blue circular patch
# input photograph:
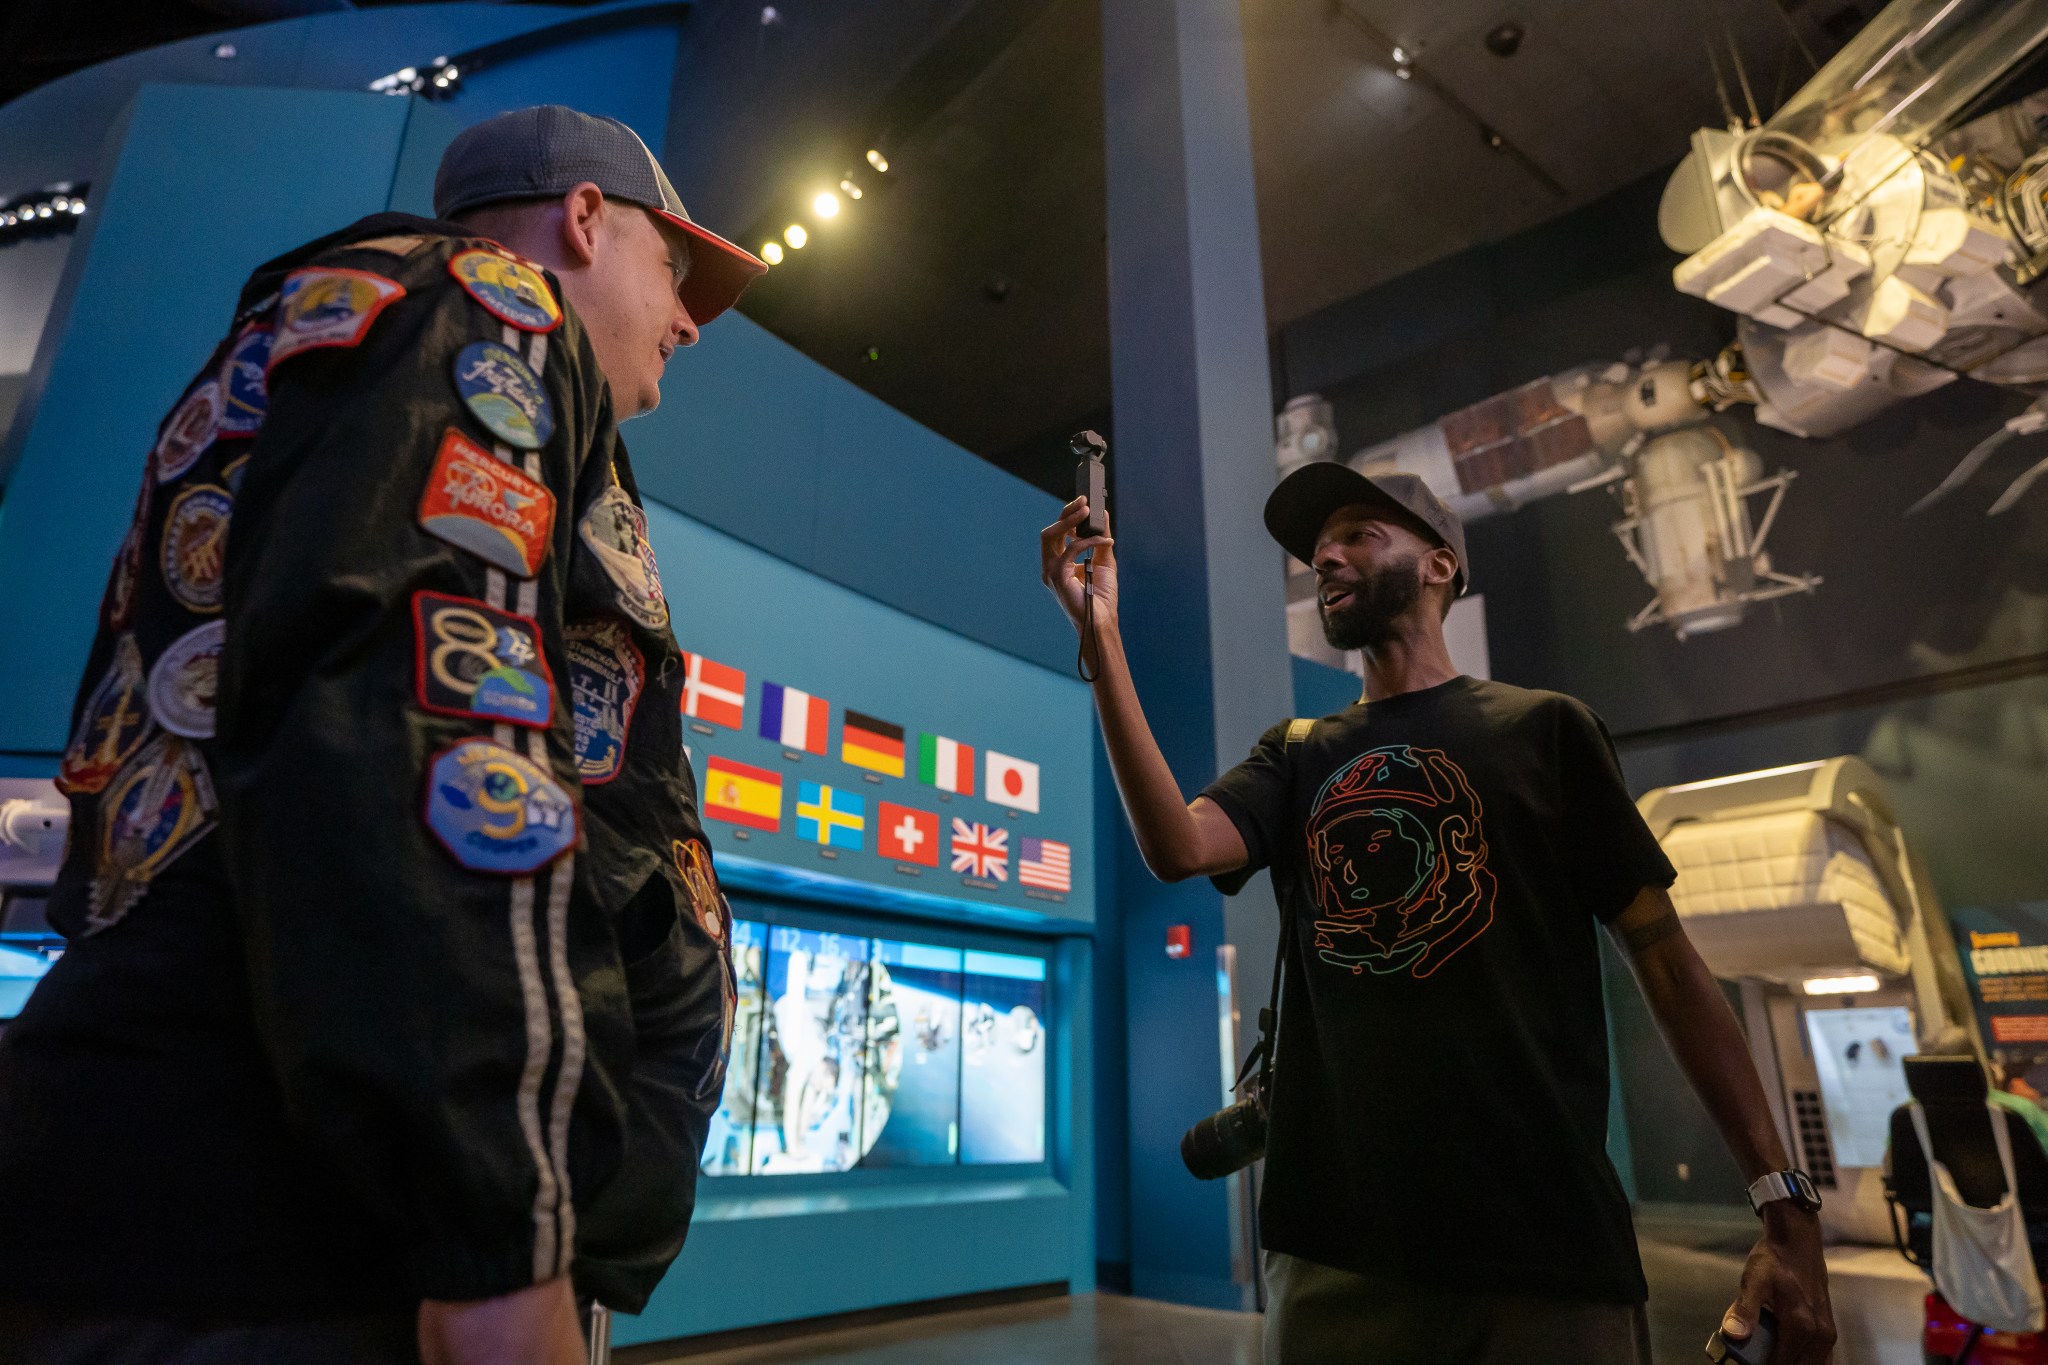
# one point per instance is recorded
(496, 810)
(246, 394)
(502, 391)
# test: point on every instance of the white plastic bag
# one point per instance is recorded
(1982, 1264)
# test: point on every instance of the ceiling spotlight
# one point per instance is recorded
(849, 189)
(771, 252)
(826, 205)
(877, 160)
(795, 235)
(1405, 70)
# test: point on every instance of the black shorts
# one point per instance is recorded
(35, 1334)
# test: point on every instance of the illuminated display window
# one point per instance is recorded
(850, 1051)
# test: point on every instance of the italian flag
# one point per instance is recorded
(945, 763)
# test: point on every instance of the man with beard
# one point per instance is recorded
(1437, 1184)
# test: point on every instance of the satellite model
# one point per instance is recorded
(1879, 236)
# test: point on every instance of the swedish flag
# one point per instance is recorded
(828, 816)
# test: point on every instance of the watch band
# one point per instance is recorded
(1796, 1186)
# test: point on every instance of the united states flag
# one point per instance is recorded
(980, 851)
(1045, 863)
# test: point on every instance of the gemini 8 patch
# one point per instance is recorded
(477, 502)
(328, 306)
(470, 659)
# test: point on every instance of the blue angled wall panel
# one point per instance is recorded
(150, 288)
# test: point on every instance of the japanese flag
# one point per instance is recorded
(1012, 782)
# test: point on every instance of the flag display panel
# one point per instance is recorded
(853, 1051)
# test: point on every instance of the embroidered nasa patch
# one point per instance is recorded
(111, 726)
(508, 288)
(502, 392)
(495, 810)
(159, 805)
(192, 427)
(127, 575)
(328, 306)
(616, 532)
(183, 681)
(477, 502)
(245, 393)
(470, 659)
(700, 884)
(606, 672)
(193, 554)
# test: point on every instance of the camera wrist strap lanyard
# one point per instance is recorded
(1261, 1055)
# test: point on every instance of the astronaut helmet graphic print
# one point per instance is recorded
(1397, 863)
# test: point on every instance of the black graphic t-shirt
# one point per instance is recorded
(1440, 1094)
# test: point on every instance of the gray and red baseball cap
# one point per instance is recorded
(544, 151)
(1305, 499)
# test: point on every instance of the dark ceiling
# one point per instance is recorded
(969, 286)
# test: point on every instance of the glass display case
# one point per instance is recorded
(857, 1051)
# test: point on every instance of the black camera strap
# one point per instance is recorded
(1261, 1055)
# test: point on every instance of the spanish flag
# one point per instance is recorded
(874, 744)
(743, 795)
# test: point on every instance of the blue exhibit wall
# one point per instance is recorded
(809, 535)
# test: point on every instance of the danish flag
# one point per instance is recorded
(714, 691)
(980, 851)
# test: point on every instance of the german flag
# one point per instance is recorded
(873, 744)
(743, 795)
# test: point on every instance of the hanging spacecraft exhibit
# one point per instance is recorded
(1879, 236)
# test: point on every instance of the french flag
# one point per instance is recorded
(793, 719)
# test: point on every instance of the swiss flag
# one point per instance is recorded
(908, 835)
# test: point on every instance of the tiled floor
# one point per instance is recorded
(1692, 1268)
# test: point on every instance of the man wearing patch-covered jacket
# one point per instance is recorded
(398, 985)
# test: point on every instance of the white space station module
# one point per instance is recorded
(1879, 236)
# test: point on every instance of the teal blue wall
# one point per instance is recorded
(808, 533)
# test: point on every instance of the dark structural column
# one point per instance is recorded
(1203, 602)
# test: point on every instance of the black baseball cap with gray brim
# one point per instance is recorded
(544, 151)
(1305, 499)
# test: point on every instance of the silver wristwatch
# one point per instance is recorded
(1796, 1186)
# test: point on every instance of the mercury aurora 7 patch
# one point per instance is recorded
(616, 532)
(245, 392)
(158, 806)
(470, 659)
(189, 432)
(111, 726)
(502, 392)
(194, 553)
(509, 289)
(184, 679)
(606, 673)
(328, 306)
(477, 502)
(496, 810)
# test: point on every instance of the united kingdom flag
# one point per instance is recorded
(981, 851)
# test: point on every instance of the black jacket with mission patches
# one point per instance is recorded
(301, 1070)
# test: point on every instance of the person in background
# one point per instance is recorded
(1437, 1185)
(396, 993)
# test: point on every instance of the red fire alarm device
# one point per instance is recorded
(1180, 940)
